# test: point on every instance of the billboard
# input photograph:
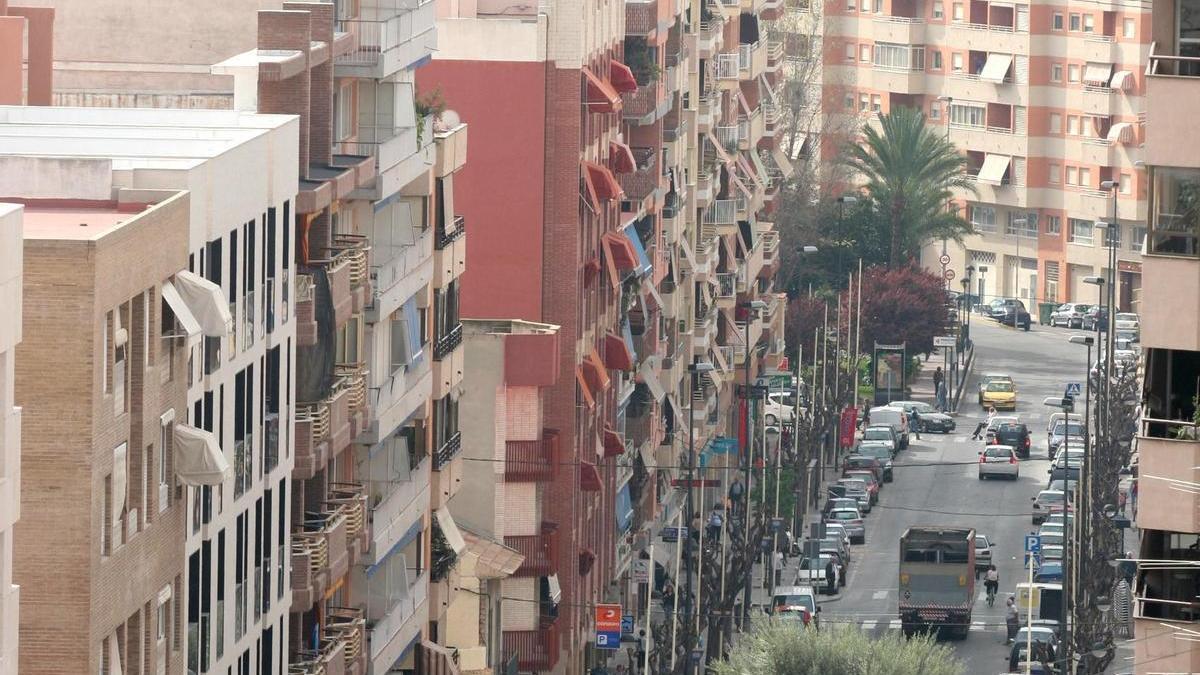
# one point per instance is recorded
(889, 373)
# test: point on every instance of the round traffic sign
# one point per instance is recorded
(945, 259)
(949, 274)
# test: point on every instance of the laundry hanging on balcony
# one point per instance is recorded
(189, 327)
(207, 303)
(622, 77)
(198, 457)
(599, 96)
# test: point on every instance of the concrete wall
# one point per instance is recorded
(10, 429)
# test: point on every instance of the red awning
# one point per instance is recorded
(614, 445)
(597, 374)
(621, 157)
(587, 191)
(622, 77)
(603, 180)
(600, 96)
(585, 391)
(623, 255)
(589, 477)
(616, 353)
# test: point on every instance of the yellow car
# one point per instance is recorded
(1000, 395)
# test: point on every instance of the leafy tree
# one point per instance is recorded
(786, 648)
(804, 314)
(902, 305)
(910, 171)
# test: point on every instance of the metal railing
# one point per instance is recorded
(376, 38)
(540, 551)
(531, 461)
(727, 67)
(443, 238)
(721, 212)
(353, 249)
(726, 284)
(353, 380)
(728, 136)
(746, 55)
(448, 343)
(271, 441)
(243, 466)
(448, 451)
(1180, 430)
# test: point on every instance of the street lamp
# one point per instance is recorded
(842, 201)
(1017, 280)
(754, 306)
(1067, 405)
(695, 368)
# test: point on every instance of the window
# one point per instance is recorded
(864, 102)
(1055, 174)
(876, 103)
(850, 5)
(164, 446)
(935, 111)
(878, 6)
(1072, 176)
(956, 62)
(939, 10)
(1021, 225)
(935, 60)
(1073, 125)
(864, 53)
(105, 518)
(1126, 184)
(1051, 281)
(1054, 226)
(1089, 23)
(1055, 123)
(1076, 22)
(1056, 22)
(1073, 73)
(1080, 231)
(1085, 177)
(1056, 71)
(1129, 29)
(849, 102)
(958, 11)
(344, 115)
(849, 51)
(162, 619)
(1139, 238)
(967, 114)
(983, 218)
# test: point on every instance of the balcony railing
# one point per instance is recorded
(721, 212)
(348, 625)
(353, 249)
(728, 136)
(726, 284)
(540, 551)
(746, 55)
(353, 380)
(448, 343)
(533, 650)
(318, 421)
(376, 38)
(444, 238)
(448, 451)
(349, 500)
(531, 461)
(727, 67)
(243, 465)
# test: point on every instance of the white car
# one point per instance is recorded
(780, 407)
(999, 460)
(1126, 321)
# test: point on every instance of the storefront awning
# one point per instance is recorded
(198, 457)
(1121, 132)
(599, 96)
(207, 303)
(621, 157)
(187, 322)
(993, 169)
(622, 77)
(996, 67)
(454, 538)
(1122, 80)
(650, 379)
(1097, 74)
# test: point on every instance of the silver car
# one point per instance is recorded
(1069, 315)
(999, 460)
(852, 520)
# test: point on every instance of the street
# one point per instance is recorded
(936, 484)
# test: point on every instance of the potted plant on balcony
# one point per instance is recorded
(443, 557)
(430, 104)
(642, 60)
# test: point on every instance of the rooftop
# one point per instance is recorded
(83, 221)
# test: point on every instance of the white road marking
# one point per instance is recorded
(879, 595)
(978, 626)
(869, 625)
(961, 439)
(894, 624)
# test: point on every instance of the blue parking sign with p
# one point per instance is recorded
(1033, 544)
(608, 639)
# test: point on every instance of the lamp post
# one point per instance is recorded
(1084, 514)
(1111, 231)
(754, 306)
(842, 201)
(1017, 275)
(695, 368)
(1067, 405)
(946, 101)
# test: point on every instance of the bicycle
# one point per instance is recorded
(991, 594)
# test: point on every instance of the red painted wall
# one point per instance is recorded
(500, 189)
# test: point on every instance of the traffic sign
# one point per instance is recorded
(1074, 389)
(641, 571)
(1033, 559)
(608, 626)
(949, 274)
(944, 341)
(1033, 543)
(945, 259)
(627, 624)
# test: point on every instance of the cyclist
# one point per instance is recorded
(991, 581)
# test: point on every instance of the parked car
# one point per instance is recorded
(780, 407)
(1044, 502)
(838, 530)
(1128, 336)
(1000, 395)
(812, 573)
(798, 602)
(1048, 573)
(1044, 646)
(838, 548)
(1096, 318)
(882, 434)
(897, 418)
(853, 521)
(841, 558)
(988, 378)
(1015, 434)
(1052, 553)
(871, 463)
(880, 452)
(1069, 314)
(1013, 313)
(838, 503)
(995, 308)
(931, 419)
(1067, 466)
(983, 553)
(1070, 432)
(999, 460)
(1127, 321)
(857, 489)
(873, 481)
(1055, 418)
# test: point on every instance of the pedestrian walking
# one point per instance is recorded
(938, 378)
(831, 577)
(916, 424)
(778, 568)
(737, 490)
(943, 404)
(1012, 619)
(715, 521)
(979, 428)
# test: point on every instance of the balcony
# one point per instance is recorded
(319, 558)
(903, 30)
(726, 289)
(775, 55)
(533, 650)
(1100, 48)
(398, 272)
(531, 461)
(728, 136)
(752, 60)
(994, 139)
(451, 150)
(646, 179)
(1175, 324)
(987, 37)
(398, 624)
(345, 267)
(306, 318)
(388, 43)
(728, 71)
(353, 379)
(645, 18)
(712, 34)
(401, 155)
(322, 430)
(647, 104)
(350, 500)
(397, 507)
(1170, 140)
(1159, 506)
(397, 397)
(445, 237)
(447, 451)
(722, 214)
(448, 362)
(1166, 610)
(770, 243)
(1164, 643)
(540, 551)
(1098, 152)
(898, 80)
(751, 268)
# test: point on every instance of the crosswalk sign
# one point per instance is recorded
(1074, 389)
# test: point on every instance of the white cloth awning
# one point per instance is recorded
(207, 303)
(681, 422)
(689, 255)
(648, 289)
(766, 89)
(1122, 79)
(191, 327)
(1097, 74)
(993, 169)
(1121, 132)
(759, 167)
(450, 531)
(555, 588)
(996, 67)
(647, 453)
(198, 457)
(650, 378)
(114, 656)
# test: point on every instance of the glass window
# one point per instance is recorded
(1057, 21)
(1129, 28)
(1055, 174)
(1126, 184)
(967, 114)
(935, 60)
(864, 53)
(1072, 176)
(1054, 226)
(899, 57)
(864, 102)
(935, 111)
(983, 218)
(1085, 177)
(1022, 225)
(1080, 231)
(1056, 71)
(1089, 23)
(1175, 210)
(958, 11)
(1073, 125)
(956, 62)
(850, 4)
(1076, 22)
(1073, 72)
(939, 10)
(1138, 239)
(1055, 123)
(876, 103)
(878, 6)
(849, 102)
(849, 51)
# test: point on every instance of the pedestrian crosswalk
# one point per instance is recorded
(885, 625)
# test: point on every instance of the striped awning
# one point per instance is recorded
(1097, 74)
(1122, 79)
(1121, 132)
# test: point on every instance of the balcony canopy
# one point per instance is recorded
(198, 457)
(450, 531)
(621, 157)
(622, 77)
(187, 321)
(599, 96)
(650, 379)
(589, 477)
(1121, 132)
(1097, 74)
(996, 67)
(618, 355)
(1122, 80)
(603, 181)
(597, 374)
(994, 168)
(643, 265)
(207, 303)
(494, 560)
(781, 160)
(555, 587)
(624, 509)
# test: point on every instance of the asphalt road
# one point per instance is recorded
(936, 484)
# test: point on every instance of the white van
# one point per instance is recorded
(896, 418)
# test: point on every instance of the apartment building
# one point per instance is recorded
(11, 245)
(1046, 101)
(105, 444)
(1167, 443)
(26, 55)
(237, 367)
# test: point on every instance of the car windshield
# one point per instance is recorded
(845, 515)
(1001, 451)
(922, 407)
(876, 434)
(853, 484)
(875, 451)
(1048, 497)
(1124, 316)
(1010, 428)
(1074, 429)
(804, 601)
(864, 476)
(1000, 386)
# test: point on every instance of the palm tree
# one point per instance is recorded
(784, 647)
(910, 172)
